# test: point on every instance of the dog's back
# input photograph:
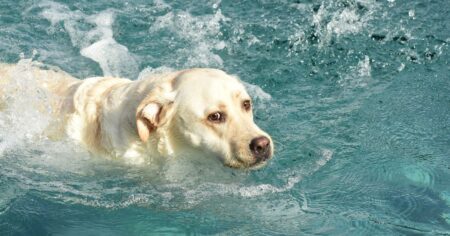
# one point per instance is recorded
(17, 80)
(53, 80)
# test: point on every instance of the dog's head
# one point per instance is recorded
(204, 111)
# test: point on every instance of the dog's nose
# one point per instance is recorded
(260, 148)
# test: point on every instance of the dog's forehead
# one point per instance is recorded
(210, 83)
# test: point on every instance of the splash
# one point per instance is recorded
(93, 34)
(358, 76)
(145, 73)
(200, 32)
(25, 101)
(257, 92)
(330, 21)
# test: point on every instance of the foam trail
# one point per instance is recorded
(205, 191)
(97, 43)
(251, 191)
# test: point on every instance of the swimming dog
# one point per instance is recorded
(198, 111)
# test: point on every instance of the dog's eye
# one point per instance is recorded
(217, 117)
(247, 105)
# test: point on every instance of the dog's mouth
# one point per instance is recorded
(247, 159)
(257, 165)
(237, 163)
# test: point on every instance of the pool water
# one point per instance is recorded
(355, 93)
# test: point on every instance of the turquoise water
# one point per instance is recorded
(355, 93)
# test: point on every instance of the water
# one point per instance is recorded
(356, 95)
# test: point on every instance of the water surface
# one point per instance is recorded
(356, 95)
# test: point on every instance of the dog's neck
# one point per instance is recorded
(119, 137)
(104, 118)
(118, 121)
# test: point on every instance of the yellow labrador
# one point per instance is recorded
(191, 112)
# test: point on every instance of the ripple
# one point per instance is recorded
(446, 217)
(407, 203)
(99, 183)
(419, 175)
(446, 197)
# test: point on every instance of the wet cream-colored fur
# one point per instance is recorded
(162, 115)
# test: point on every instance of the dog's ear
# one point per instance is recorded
(153, 112)
(147, 120)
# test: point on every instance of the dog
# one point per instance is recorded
(201, 111)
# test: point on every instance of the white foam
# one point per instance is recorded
(113, 58)
(96, 43)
